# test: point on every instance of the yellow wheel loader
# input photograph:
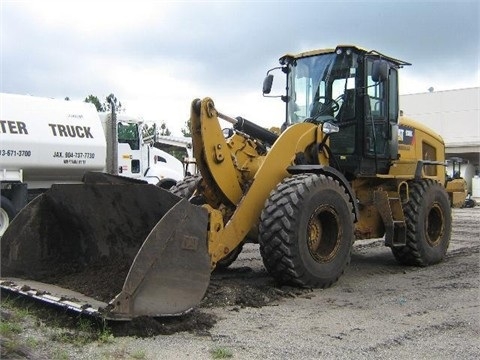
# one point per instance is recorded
(457, 186)
(344, 167)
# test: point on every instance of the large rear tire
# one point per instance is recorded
(307, 231)
(428, 217)
(7, 213)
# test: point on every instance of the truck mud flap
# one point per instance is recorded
(116, 250)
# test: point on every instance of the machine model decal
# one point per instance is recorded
(406, 135)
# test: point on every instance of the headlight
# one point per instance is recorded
(329, 128)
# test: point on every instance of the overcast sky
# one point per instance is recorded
(157, 56)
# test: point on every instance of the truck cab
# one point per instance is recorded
(137, 157)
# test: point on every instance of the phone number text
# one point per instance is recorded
(19, 153)
(73, 155)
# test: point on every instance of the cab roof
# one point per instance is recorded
(332, 50)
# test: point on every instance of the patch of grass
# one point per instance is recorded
(32, 342)
(139, 355)
(84, 325)
(9, 346)
(76, 338)
(12, 319)
(23, 312)
(60, 354)
(14, 349)
(221, 353)
(7, 302)
(118, 353)
(62, 336)
(105, 336)
(57, 327)
(83, 333)
(9, 328)
(122, 353)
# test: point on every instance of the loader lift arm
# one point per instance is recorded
(219, 169)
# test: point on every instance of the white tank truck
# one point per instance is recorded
(47, 141)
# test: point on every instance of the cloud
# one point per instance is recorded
(157, 56)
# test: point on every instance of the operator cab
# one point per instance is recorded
(355, 89)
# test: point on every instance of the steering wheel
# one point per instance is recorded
(328, 105)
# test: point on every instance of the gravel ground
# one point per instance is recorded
(377, 310)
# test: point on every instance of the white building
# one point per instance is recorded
(455, 115)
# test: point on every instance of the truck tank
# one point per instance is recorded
(49, 139)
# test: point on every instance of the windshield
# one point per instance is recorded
(322, 86)
(128, 134)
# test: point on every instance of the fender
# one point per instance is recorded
(329, 171)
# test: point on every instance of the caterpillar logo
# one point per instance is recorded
(406, 135)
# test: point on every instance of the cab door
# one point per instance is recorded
(129, 150)
(381, 119)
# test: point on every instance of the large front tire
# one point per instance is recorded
(307, 231)
(428, 217)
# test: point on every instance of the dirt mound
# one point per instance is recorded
(235, 287)
(195, 322)
(102, 280)
(245, 287)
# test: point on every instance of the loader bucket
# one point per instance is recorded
(117, 249)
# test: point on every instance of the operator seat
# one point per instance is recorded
(347, 109)
(343, 142)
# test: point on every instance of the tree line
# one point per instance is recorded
(106, 106)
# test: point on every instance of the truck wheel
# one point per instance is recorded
(470, 203)
(307, 231)
(7, 213)
(186, 187)
(428, 219)
(166, 183)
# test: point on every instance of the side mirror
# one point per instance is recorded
(380, 70)
(267, 84)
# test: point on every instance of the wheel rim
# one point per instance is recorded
(323, 234)
(4, 221)
(434, 225)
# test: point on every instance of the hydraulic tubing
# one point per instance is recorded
(242, 124)
(255, 130)
(250, 128)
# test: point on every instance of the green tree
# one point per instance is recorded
(108, 107)
(164, 131)
(94, 100)
(149, 133)
(186, 131)
(105, 106)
